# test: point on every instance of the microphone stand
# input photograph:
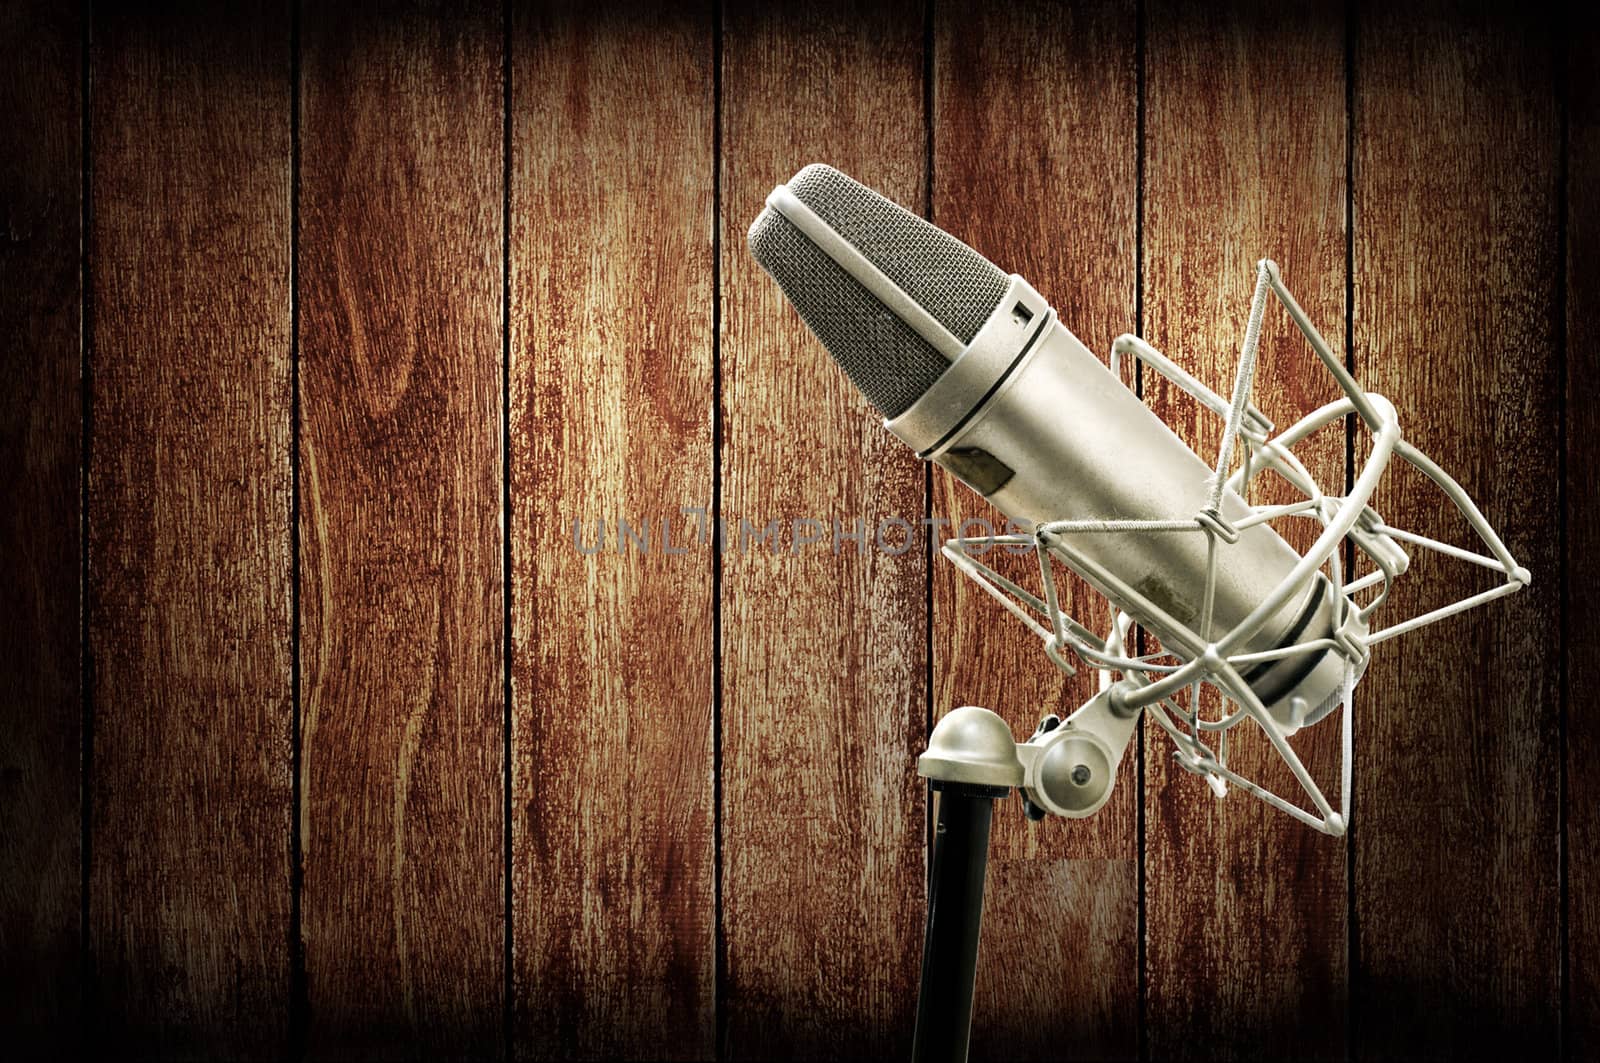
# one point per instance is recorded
(1066, 768)
(955, 916)
(971, 760)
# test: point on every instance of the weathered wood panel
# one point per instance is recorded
(633, 933)
(1455, 320)
(1034, 165)
(1245, 159)
(824, 665)
(1581, 575)
(189, 541)
(612, 406)
(40, 443)
(401, 202)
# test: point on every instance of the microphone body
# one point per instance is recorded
(1029, 418)
(973, 371)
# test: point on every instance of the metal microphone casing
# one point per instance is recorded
(1029, 418)
(974, 372)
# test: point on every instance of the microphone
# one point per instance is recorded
(973, 370)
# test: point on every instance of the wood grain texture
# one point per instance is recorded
(831, 661)
(189, 548)
(1581, 575)
(612, 407)
(40, 444)
(401, 201)
(1456, 876)
(824, 699)
(1034, 165)
(1245, 159)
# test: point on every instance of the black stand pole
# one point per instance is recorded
(955, 914)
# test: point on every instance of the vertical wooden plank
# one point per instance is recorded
(40, 442)
(401, 202)
(1034, 164)
(1581, 576)
(1245, 159)
(824, 704)
(189, 551)
(1456, 154)
(612, 407)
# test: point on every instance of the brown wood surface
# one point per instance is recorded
(611, 418)
(1245, 115)
(717, 845)
(1034, 165)
(40, 443)
(1455, 320)
(824, 669)
(401, 201)
(1581, 578)
(189, 544)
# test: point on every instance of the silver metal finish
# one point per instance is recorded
(974, 746)
(1081, 446)
(1071, 770)
(1151, 682)
(1032, 420)
(986, 361)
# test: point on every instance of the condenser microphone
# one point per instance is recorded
(973, 370)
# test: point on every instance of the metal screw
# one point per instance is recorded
(1080, 774)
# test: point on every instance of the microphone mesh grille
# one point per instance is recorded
(882, 355)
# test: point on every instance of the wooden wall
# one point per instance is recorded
(322, 324)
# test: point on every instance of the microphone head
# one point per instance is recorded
(885, 357)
